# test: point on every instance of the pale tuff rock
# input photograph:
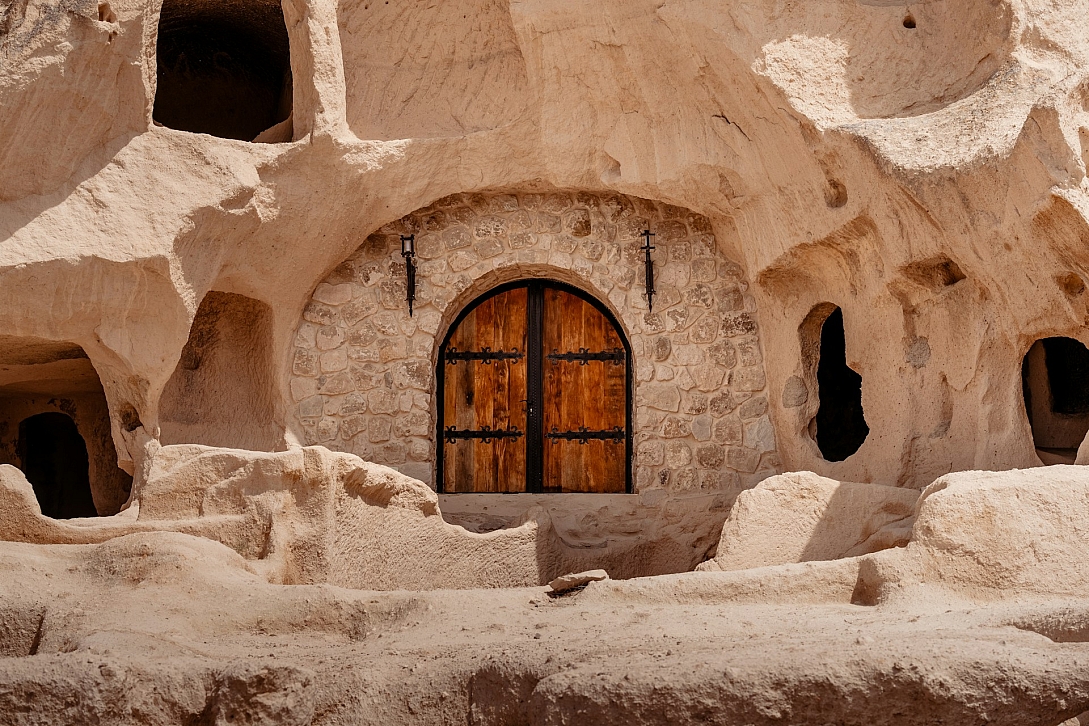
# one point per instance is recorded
(802, 517)
(871, 221)
(565, 583)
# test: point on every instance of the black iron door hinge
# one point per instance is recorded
(616, 435)
(485, 434)
(484, 355)
(614, 356)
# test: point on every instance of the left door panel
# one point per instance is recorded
(484, 398)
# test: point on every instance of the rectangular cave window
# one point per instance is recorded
(55, 426)
(1067, 363)
(224, 69)
(1055, 381)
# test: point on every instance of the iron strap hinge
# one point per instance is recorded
(615, 356)
(484, 355)
(615, 435)
(485, 434)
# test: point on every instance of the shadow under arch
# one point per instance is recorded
(55, 462)
(55, 426)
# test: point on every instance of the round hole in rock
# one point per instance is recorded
(840, 422)
(1055, 384)
(55, 462)
(224, 69)
(909, 22)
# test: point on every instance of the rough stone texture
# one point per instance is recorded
(803, 517)
(314, 516)
(367, 369)
(192, 635)
(921, 166)
(987, 536)
(838, 155)
(565, 583)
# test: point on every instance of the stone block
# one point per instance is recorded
(677, 454)
(742, 459)
(710, 456)
(378, 429)
(729, 430)
(333, 294)
(676, 427)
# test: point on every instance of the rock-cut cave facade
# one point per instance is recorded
(851, 275)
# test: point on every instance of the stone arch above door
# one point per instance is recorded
(362, 369)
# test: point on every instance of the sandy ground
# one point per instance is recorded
(168, 628)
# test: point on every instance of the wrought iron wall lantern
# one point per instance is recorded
(648, 248)
(408, 251)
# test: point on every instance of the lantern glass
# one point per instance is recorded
(408, 246)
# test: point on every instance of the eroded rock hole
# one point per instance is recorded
(224, 68)
(55, 462)
(935, 273)
(55, 426)
(909, 22)
(840, 423)
(1070, 283)
(1055, 382)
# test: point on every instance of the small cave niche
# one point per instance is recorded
(55, 462)
(839, 427)
(55, 427)
(935, 274)
(222, 391)
(1070, 283)
(1055, 385)
(224, 69)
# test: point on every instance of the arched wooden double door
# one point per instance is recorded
(534, 395)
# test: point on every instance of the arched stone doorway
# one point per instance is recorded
(362, 369)
(534, 394)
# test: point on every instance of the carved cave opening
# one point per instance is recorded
(55, 427)
(222, 392)
(55, 462)
(1055, 384)
(224, 69)
(839, 427)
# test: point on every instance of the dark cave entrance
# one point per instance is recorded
(224, 69)
(840, 422)
(55, 462)
(1055, 384)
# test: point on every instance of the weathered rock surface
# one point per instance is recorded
(565, 583)
(919, 167)
(802, 517)
(165, 628)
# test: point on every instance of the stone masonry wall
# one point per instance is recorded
(363, 371)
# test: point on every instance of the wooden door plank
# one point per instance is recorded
(479, 394)
(460, 410)
(593, 395)
(486, 470)
(511, 335)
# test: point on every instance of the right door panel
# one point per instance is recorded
(584, 417)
